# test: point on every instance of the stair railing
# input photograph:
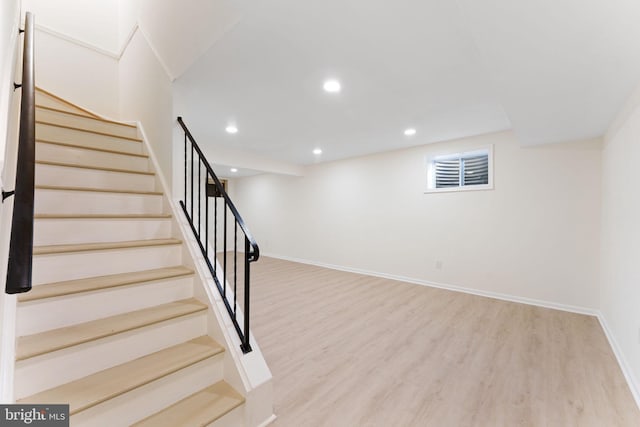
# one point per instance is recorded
(200, 185)
(21, 242)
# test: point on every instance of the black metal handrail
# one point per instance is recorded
(192, 205)
(21, 243)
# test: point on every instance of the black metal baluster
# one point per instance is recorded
(206, 216)
(235, 265)
(224, 285)
(199, 195)
(191, 182)
(215, 235)
(246, 346)
(185, 170)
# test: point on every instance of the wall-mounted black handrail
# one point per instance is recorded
(21, 243)
(192, 206)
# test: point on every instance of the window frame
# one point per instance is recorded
(430, 170)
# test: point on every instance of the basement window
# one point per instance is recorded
(212, 190)
(470, 170)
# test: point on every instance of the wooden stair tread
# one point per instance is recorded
(79, 129)
(199, 409)
(83, 247)
(70, 287)
(104, 385)
(85, 147)
(100, 168)
(103, 216)
(99, 119)
(96, 190)
(57, 339)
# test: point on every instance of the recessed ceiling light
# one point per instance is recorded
(317, 151)
(332, 86)
(231, 129)
(410, 132)
(234, 170)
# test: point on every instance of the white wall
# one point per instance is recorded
(620, 275)
(145, 95)
(81, 62)
(9, 22)
(93, 21)
(534, 236)
(9, 44)
(76, 41)
(77, 73)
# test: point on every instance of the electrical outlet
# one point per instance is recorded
(438, 265)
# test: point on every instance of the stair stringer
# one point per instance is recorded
(246, 373)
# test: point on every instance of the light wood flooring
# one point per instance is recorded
(352, 350)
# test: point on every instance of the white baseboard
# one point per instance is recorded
(456, 288)
(632, 381)
(268, 421)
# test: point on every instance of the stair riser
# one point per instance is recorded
(80, 156)
(151, 398)
(71, 136)
(60, 367)
(81, 202)
(48, 101)
(74, 231)
(79, 265)
(52, 313)
(85, 123)
(106, 180)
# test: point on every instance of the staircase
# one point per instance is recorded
(113, 326)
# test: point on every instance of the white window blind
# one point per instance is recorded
(459, 170)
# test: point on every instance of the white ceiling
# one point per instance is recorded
(224, 171)
(551, 70)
